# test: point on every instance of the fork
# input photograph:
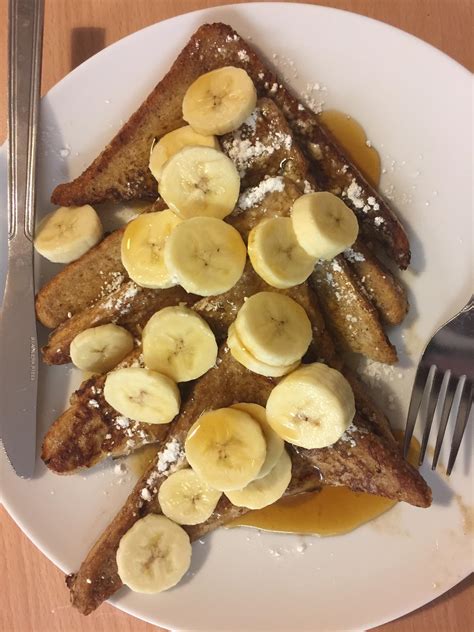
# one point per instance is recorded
(448, 355)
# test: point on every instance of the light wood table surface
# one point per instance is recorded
(33, 597)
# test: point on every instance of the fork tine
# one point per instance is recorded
(448, 402)
(461, 422)
(433, 395)
(415, 401)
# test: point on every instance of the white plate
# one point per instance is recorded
(415, 105)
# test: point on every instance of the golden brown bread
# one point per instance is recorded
(383, 289)
(91, 430)
(121, 171)
(97, 273)
(100, 566)
(130, 306)
(364, 459)
(349, 313)
(287, 171)
(79, 437)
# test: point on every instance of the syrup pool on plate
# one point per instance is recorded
(352, 137)
(332, 511)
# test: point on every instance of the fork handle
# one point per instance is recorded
(24, 55)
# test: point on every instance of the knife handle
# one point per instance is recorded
(24, 57)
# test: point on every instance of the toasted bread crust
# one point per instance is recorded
(95, 275)
(383, 288)
(130, 306)
(367, 461)
(121, 171)
(349, 313)
(91, 430)
(77, 285)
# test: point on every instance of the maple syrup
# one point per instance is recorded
(332, 511)
(139, 461)
(352, 137)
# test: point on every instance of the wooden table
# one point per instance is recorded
(33, 597)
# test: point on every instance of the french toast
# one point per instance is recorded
(348, 303)
(87, 433)
(121, 171)
(383, 288)
(363, 459)
(349, 312)
(287, 171)
(129, 306)
(374, 462)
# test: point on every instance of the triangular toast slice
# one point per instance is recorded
(349, 312)
(286, 169)
(95, 275)
(121, 171)
(364, 459)
(90, 430)
(129, 306)
(384, 290)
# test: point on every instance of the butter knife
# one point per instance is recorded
(18, 342)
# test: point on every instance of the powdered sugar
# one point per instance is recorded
(353, 256)
(169, 456)
(255, 195)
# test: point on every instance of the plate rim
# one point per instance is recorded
(456, 66)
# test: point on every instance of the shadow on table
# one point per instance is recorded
(85, 42)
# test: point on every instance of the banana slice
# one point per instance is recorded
(242, 354)
(153, 555)
(67, 233)
(323, 224)
(187, 499)
(179, 343)
(99, 349)
(142, 249)
(275, 444)
(219, 101)
(267, 490)
(142, 395)
(206, 255)
(226, 448)
(312, 407)
(171, 143)
(200, 182)
(274, 328)
(276, 255)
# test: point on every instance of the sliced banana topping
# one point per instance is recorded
(200, 182)
(179, 343)
(274, 328)
(99, 349)
(186, 499)
(143, 245)
(171, 143)
(142, 395)
(240, 353)
(153, 555)
(219, 101)
(275, 444)
(276, 255)
(67, 233)
(226, 448)
(323, 224)
(312, 407)
(267, 490)
(206, 255)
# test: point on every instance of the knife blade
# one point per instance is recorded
(18, 341)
